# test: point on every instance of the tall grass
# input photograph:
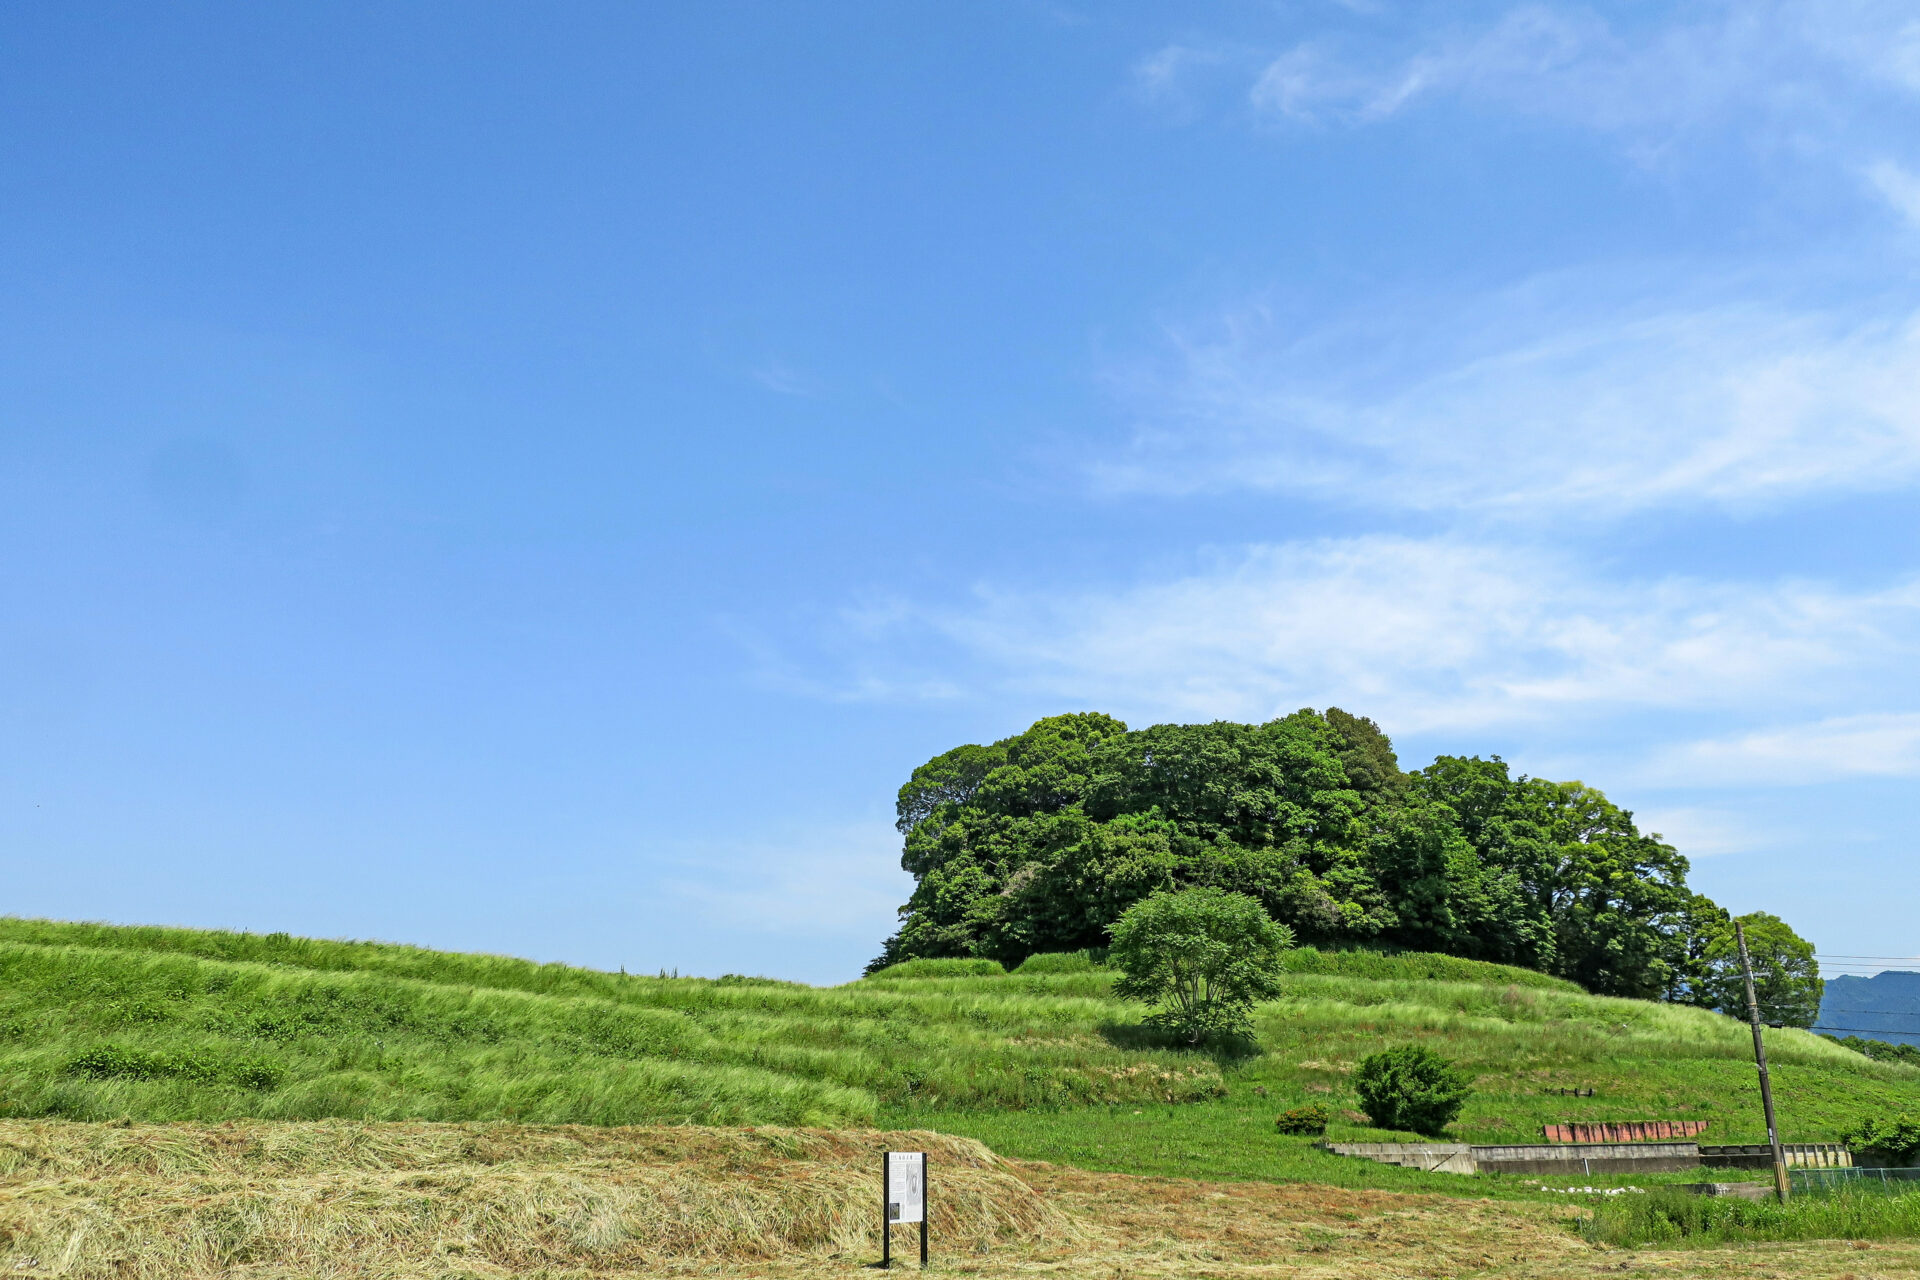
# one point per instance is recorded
(163, 1024)
(98, 1032)
(1666, 1217)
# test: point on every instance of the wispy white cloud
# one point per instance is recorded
(1900, 187)
(1582, 417)
(1163, 75)
(783, 379)
(1784, 68)
(841, 880)
(1425, 633)
(1881, 744)
(1702, 832)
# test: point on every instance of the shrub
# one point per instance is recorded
(1410, 1088)
(1895, 1136)
(1311, 1118)
(1204, 955)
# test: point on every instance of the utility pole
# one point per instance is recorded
(1760, 1061)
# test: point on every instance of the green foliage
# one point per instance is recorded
(1786, 981)
(1410, 1087)
(1039, 842)
(116, 1062)
(1667, 1217)
(1203, 955)
(1881, 1050)
(947, 967)
(1042, 962)
(1401, 965)
(1309, 1119)
(1897, 1136)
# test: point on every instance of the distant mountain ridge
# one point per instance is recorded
(1883, 1007)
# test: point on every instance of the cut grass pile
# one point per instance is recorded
(342, 1198)
(99, 1022)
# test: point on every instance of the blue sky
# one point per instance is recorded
(537, 480)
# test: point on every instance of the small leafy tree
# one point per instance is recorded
(1203, 955)
(1410, 1088)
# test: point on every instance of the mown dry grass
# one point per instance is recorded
(340, 1200)
(362, 1200)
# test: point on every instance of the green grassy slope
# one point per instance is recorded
(98, 1022)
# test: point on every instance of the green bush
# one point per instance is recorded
(1410, 1088)
(1063, 962)
(1895, 1136)
(1311, 1118)
(956, 967)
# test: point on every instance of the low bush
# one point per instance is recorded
(1896, 1137)
(1678, 1218)
(1310, 1119)
(1410, 1087)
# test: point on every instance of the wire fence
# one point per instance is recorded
(1828, 1181)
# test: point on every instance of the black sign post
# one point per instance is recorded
(903, 1198)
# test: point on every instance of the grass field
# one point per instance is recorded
(100, 1023)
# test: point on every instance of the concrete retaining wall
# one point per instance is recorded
(1571, 1160)
(1800, 1155)
(1581, 1159)
(1428, 1157)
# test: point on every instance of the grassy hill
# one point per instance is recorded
(100, 1022)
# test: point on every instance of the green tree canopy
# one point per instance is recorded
(1786, 982)
(1041, 841)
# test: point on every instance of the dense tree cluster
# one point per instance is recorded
(1040, 841)
(1882, 1050)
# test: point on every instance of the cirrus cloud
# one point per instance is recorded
(1423, 633)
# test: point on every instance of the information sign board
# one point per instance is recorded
(906, 1186)
(903, 1198)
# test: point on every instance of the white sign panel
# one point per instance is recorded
(906, 1186)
